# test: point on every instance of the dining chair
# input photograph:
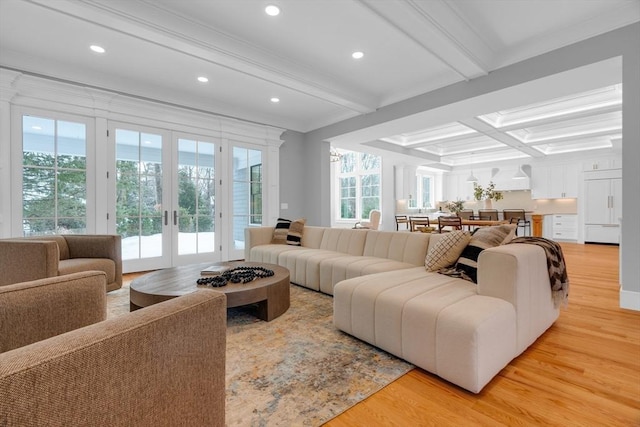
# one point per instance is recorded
(517, 216)
(416, 222)
(488, 214)
(402, 219)
(455, 222)
(467, 214)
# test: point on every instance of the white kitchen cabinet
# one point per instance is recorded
(602, 164)
(555, 182)
(603, 210)
(565, 227)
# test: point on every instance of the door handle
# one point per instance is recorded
(175, 217)
(166, 217)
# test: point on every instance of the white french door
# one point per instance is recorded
(142, 196)
(246, 195)
(168, 197)
(198, 200)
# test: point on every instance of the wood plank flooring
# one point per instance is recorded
(584, 371)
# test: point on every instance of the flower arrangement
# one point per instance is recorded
(488, 193)
(455, 207)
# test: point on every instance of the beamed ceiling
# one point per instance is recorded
(156, 49)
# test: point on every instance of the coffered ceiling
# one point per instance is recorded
(156, 49)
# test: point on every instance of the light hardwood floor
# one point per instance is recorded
(584, 371)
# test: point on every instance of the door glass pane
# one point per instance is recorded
(139, 193)
(54, 176)
(247, 192)
(196, 197)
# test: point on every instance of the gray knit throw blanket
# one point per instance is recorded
(556, 266)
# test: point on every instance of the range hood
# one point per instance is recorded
(504, 180)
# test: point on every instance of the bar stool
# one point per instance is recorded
(517, 216)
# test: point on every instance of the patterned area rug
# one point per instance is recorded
(297, 369)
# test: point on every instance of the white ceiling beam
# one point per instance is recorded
(382, 145)
(437, 29)
(563, 118)
(499, 136)
(573, 138)
(149, 22)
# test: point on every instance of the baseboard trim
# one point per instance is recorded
(629, 300)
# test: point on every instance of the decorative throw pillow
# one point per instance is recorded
(294, 236)
(280, 231)
(446, 250)
(483, 238)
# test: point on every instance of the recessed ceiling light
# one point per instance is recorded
(203, 79)
(97, 49)
(357, 55)
(272, 10)
(275, 100)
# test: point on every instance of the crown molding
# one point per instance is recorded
(38, 92)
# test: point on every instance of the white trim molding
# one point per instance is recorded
(629, 300)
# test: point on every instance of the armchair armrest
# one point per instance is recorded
(97, 246)
(163, 365)
(36, 310)
(22, 260)
(254, 236)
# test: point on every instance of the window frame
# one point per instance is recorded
(357, 173)
(17, 116)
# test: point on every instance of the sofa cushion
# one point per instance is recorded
(403, 247)
(447, 250)
(77, 265)
(334, 270)
(280, 231)
(344, 240)
(294, 235)
(483, 238)
(270, 253)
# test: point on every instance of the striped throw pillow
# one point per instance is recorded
(294, 236)
(280, 231)
(483, 238)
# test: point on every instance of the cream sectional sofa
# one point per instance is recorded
(460, 331)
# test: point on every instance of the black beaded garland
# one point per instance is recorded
(236, 275)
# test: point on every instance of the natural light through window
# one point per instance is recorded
(359, 185)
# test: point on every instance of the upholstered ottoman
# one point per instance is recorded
(436, 322)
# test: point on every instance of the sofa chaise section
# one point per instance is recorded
(462, 332)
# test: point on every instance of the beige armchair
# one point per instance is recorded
(373, 223)
(29, 258)
(160, 366)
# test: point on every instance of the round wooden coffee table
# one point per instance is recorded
(271, 294)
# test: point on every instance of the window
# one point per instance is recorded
(54, 176)
(256, 194)
(196, 196)
(247, 192)
(425, 192)
(359, 184)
